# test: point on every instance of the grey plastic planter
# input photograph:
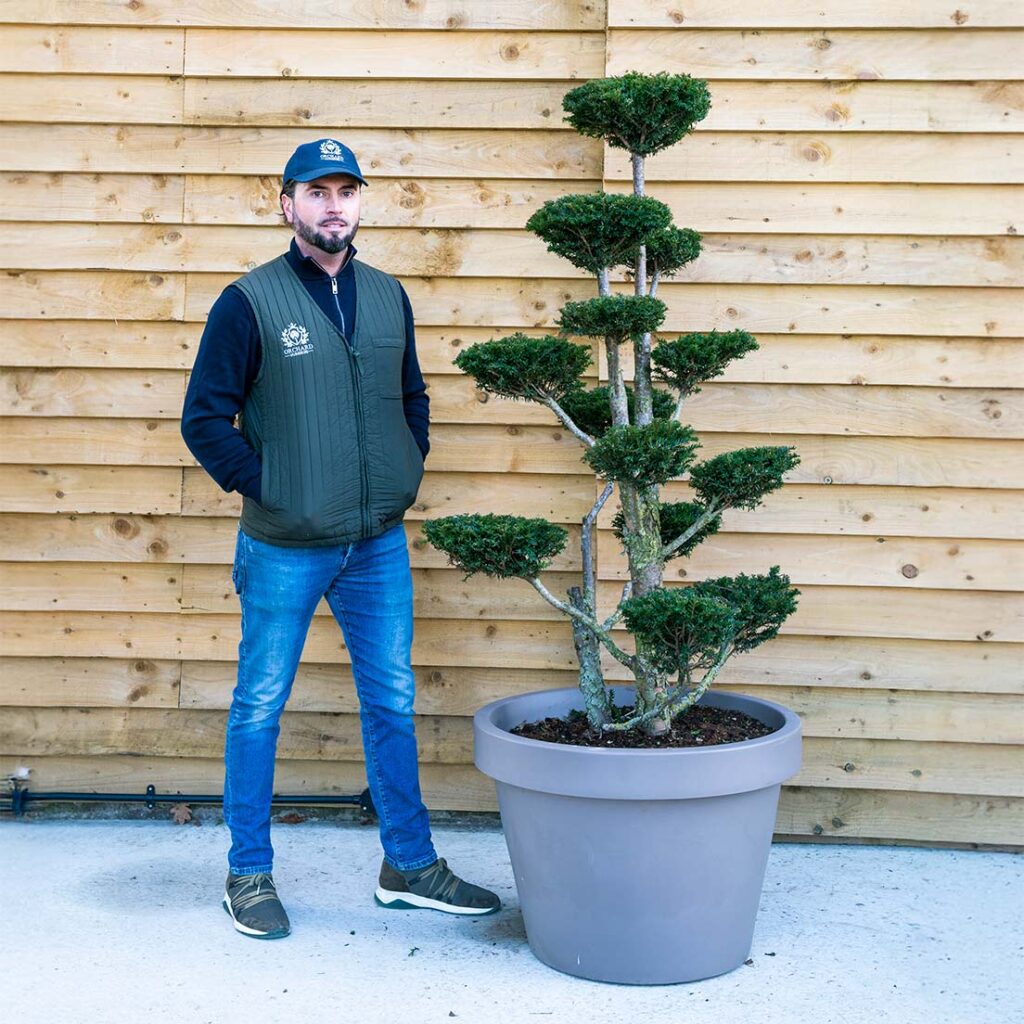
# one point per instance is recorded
(637, 866)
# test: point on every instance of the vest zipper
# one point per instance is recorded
(353, 353)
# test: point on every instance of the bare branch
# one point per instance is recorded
(579, 434)
(588, 555)
(705, 517)
(679, 405)
(629, 660)
(671, 707)
(617, 614)
(655, 278)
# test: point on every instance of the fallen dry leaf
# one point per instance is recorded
(181, 813)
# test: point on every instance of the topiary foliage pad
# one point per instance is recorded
(496, 545)
(614, 316)
(685, 361)
(685, 626)
(637, 112)
(526, 368)
(650, 454)
(599, 230)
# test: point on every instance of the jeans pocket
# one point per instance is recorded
(238, 568)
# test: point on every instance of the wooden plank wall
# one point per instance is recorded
(858, 184)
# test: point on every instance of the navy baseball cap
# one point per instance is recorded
(316, 159)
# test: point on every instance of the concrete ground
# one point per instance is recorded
(118, 921)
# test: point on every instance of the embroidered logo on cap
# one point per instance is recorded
(295, 340)
(330, 150)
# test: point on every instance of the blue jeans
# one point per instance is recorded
(368, 586)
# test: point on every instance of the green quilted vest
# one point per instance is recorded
(325, 413)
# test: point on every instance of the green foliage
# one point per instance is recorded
(692, 358)
(522, 367)
(636, 112)
(497, 545)
(761, 604)
(683, 628)
(741, 478)
(591, 409)
(598, 230)
(668, 251)
(676, 518)
(651, 454)
(686, 626)
(620, 316)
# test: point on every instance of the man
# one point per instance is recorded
(315, 350)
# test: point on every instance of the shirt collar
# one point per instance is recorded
(306, 266)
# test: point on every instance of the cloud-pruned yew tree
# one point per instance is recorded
(631, 436)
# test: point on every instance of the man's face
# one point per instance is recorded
(325, 211)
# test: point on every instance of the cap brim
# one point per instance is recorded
(324, 171)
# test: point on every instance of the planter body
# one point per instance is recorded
(637, 866)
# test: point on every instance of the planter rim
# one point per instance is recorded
(633, 773)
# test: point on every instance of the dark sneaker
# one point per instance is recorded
(252, 902)
(435, 887)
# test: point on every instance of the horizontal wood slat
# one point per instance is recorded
(162, 635)
(921, 54)
(809, 509)
(876, 14)
(572, 15)
(907, 462)
(858, 156)
(798, 408)
(459, 153)
(383, 153)
(875, 561)
(914, 361)
(91, 99)
(864, 510)
(494, 204)
(896, 309)
(308, 53)
(739, 105)
(989, 616)
(734, 258)
(86, 50)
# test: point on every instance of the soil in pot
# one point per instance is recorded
(697, 726)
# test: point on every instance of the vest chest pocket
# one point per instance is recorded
(388, 354)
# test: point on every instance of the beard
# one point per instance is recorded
(329, 240)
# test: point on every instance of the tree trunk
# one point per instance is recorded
(588, 652)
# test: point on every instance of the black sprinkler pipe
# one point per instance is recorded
(21, 795)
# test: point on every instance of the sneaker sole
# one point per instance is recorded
(275, 933)
(410, 901)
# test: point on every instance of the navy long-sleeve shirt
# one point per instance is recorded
(229, 358)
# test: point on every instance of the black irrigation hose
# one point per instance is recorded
(20, 796)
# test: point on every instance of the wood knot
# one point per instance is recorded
(815, 151)
(125, 527)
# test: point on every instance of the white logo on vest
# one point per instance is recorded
(295, 340)
(330, 150)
